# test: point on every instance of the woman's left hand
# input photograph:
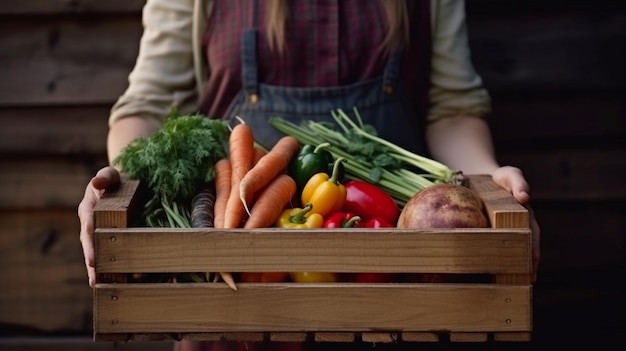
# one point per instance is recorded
(512, 179)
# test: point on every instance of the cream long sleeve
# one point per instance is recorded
(170, 69)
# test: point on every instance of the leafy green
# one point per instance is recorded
(175, 162)
(370, 157)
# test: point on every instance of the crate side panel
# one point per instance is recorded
(118, 207)
(501, 207)
(482, 250)
(163, 308)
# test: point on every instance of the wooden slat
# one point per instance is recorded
(48, 7)
(289, 337)
(206, 307)
(61, 61)
(503, 212)
(120, 210)
(518, 53)
(76, 130)
(243, 336)
(334, 337)
(57, 306)
(44, 282)
(45, 182)
(420, 337)
(380, 337)
(202, 336)
(501, 207)
(469, 337)
(278, 250)
(513, 337)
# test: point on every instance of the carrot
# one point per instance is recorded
(202, 208)
(259, 152)
(202, 213)
(223, 172)
(241, 149)
(268, 167)
(271, 201)
(241, 155)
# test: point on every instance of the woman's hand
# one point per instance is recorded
(107, 177)
(512, 179)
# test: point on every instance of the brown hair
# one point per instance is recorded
(397, 16)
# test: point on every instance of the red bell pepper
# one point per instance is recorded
(341, 220)
(374, 277)
(375, 222)
(369, 201)
(263, 277)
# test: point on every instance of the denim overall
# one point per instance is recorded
(381, 102)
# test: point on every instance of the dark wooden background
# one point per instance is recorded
(555, 69)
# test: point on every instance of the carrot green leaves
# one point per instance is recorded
(175, 162)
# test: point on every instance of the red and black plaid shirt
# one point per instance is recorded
(328, 43)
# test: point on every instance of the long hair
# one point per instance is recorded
(397, 16)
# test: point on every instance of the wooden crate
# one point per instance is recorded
(499, 308)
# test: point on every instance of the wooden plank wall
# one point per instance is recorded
(62, 64)
(554, 68)
(556, 72)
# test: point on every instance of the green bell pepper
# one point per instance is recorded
(311, 160)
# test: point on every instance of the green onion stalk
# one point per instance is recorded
(396, 176)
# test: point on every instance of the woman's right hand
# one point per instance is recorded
(107, 177)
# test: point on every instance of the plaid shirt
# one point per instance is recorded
(328, 43)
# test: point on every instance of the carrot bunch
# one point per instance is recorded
(252, 186)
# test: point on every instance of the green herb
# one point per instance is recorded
(370, 157)
(176, 162)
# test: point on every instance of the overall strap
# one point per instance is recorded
(391, 74)
(249, 64)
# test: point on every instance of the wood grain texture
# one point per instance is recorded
(420, 336)
(289, 337)
(502, 209)
(66, 61)
(60, 131)
(44, 182)
(118, 207)
(52, 7)
(44, 285)
(206, 307)
(279, 250)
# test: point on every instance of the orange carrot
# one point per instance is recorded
(223, 172)
(268, 167)
(258, 153)
(222, 191)
(241, 152)
(271, 201)
(241, 155)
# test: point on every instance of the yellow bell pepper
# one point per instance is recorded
(300, 218)
(314, 277)
(325, 193)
